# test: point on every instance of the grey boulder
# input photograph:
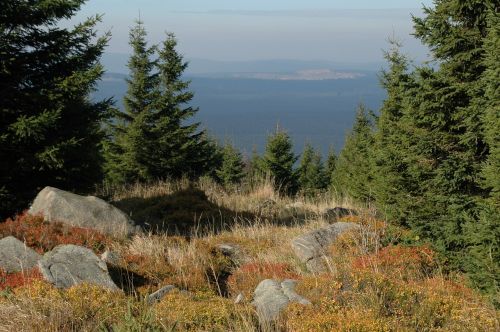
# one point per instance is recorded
(271, 297)
(312, 247)
(82, 211)
(111, 257)
(15, 256)
(159, 294)
(69, 265)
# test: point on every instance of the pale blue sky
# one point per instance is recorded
(335, 30)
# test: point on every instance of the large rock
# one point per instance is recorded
(311, 248)
(333, 214)
(15, 256)
(271, 297)
(87, 212)
(69, 265)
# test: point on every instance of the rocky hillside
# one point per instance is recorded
(191, 257)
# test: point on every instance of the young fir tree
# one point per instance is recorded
(129, 154)
(50, 129)
(330, 166)
(278, 162)
(254, 168)
(311, 171)
(353, 173)
(232, 169)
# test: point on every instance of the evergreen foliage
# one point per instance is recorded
(330, 166)
(151, 139)
(50, 130)
(484, 235)
(129, 152)
(278, 162)
(353, 174)
(392, 138)
(180, 148)
(435, 156)
(232, 167)
(311, 172)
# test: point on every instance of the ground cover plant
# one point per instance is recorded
(379, 279)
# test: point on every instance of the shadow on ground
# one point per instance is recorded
(189, 211)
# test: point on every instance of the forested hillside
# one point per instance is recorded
(398, 231)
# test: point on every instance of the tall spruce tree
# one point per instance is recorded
(151, 139)
(433, 144)
(180, 148)
(278, 162)
(353, 173)
(483, 236)
(128, 153)
(311, 172)
(390, 158)
(50, 130)
(447, 144)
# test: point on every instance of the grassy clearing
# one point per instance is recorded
(374, 282)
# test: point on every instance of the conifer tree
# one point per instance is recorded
(446, 145)
(311, 171)
(255, 168)
(181, 148)
(152, 139)
(433, 143)
(330, 166)
(232, 167)
(278, 162)
(390, 158)
(50, 129)
(483, 236)
(353, 173)
(129, 152)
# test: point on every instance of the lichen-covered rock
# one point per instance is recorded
(82, 211)
(159, 294)
(111, 257)
(271, 297)
(15, 256)
(69, 265)
(311, 248)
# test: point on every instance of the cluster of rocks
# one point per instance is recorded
(64, 266)
(69, 265)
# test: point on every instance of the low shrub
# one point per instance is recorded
(376, 302)
(44, 236)
(18, 279)
(400, 262)
(202, 312)
(90, 304)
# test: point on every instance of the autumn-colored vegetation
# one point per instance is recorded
(18, 279)
(43, 236)
(379, 279)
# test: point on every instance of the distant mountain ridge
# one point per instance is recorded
(117, 63)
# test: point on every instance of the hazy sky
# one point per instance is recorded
(336, 30)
